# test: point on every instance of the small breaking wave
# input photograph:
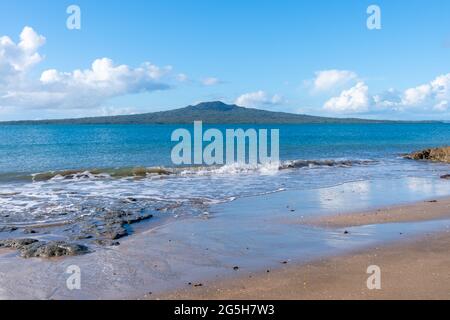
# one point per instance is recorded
(146, 172)
(100, 173)
(324, 163)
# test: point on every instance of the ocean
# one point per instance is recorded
(53, 175)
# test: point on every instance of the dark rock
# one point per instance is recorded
(82, 237)
(52, 249)
(235, 268)
(29, 231)
(139, 218)
(114, 232)
(437, 154)
(446, 176)
(34, 248)
(107, 243)
(18, 244)
(7, 229)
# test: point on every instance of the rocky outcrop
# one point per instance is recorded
(52, 249)
(111, 225)
(30, 248)
(437, 154)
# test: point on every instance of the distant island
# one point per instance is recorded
(215, 112)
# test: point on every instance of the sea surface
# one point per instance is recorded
(64, 174)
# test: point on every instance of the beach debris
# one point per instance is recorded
(432, 201)
(235, 268)
(346, 232)
(195, 285)
(446, 176)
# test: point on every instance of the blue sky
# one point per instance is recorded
(315, 57)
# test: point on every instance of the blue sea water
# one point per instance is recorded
(336, 154)
(39, 148)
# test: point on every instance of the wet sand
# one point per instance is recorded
(414, 269)
(421, 211)
(253, 233)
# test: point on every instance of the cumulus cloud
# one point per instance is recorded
(258, 98)
(105, 80)
(353, 100)
(16, 58)
(326, 80)
(390, 98)
(441, 106)
(432, 96)
(416, 96)
(75, 89)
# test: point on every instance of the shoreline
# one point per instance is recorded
(344, 276)
(426, 210)
(254, 234)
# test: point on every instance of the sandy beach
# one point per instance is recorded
(421, 211)
(226, 254)
(410, 269)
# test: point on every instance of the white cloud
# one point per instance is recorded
(390, 98)
(432, 96)
(258, 98)
(441, 106)
(353, 100)
(89, 88)
(115, 111)
(211, 81)
(326, 80)
(15, 59)
(416, 96)
(106, 79)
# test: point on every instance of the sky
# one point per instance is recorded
(316, 57)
